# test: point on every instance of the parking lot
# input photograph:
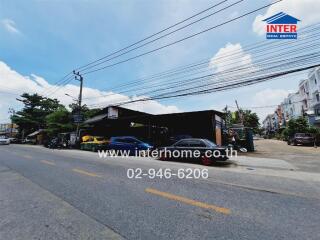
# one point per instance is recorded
(304, 158)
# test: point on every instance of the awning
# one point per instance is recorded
(96, 118)
(35, 133)
(310, 112)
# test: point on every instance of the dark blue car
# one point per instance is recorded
(128, 143)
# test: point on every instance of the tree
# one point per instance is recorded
(36, 108)
(299, 125)
(87, 112)
(250, 119)
(59, 121)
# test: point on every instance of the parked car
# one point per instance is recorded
(54, 143)
(195, 144)
(94, 143)
(176, 138)
(4, 140)
(302, 139)
(128, 143)
(14, 140)
(29, 141)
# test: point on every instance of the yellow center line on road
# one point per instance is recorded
(48, 162)
(188, 201)
(85, 172)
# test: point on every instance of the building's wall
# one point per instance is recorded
(7, 128)
(304, 92)
(268, 125)
(292, 106)
(160, 128)
(305, 102)
(314, 109)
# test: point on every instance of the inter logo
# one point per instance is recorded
(281, 26)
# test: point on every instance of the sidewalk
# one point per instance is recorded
(257, 162)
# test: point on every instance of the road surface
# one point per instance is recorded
(69, 194)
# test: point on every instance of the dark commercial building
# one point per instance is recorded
(160, 129)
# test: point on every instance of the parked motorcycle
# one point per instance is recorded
(54, 143)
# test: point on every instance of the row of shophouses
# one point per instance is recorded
(305, 102)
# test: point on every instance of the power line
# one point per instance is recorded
(152, 35)
(268, 106)
(248, 82)
(296, 62)
(203, 64)
(182, 39)
(228, 71)
(68, 77)
(165, 35)
(270, 63)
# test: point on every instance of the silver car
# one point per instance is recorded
(4, 141)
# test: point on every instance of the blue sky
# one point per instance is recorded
(50, 38)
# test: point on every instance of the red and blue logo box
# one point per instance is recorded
(281, 26)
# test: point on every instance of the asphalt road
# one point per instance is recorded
(60, 194)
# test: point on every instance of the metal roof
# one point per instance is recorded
(35, 133)
(96, 118)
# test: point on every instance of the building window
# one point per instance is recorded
(317, 96)
(315, 81)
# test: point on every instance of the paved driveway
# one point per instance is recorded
(304, 158)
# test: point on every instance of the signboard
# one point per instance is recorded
(113, 113)
(281, 26)
(73, 138)
(77, 118)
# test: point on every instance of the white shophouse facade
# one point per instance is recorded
(305, 102)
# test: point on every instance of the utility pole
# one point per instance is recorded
(240, 114)
(227, 117)
(79, 77)
(12, 112)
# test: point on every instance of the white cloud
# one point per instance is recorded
(231, 56)
(12, 84)
(268, 97)
(10, 26)
(307, 11)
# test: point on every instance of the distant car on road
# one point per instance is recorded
(200, 145)
(302, 139)
(4, 140)
(128, 143)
